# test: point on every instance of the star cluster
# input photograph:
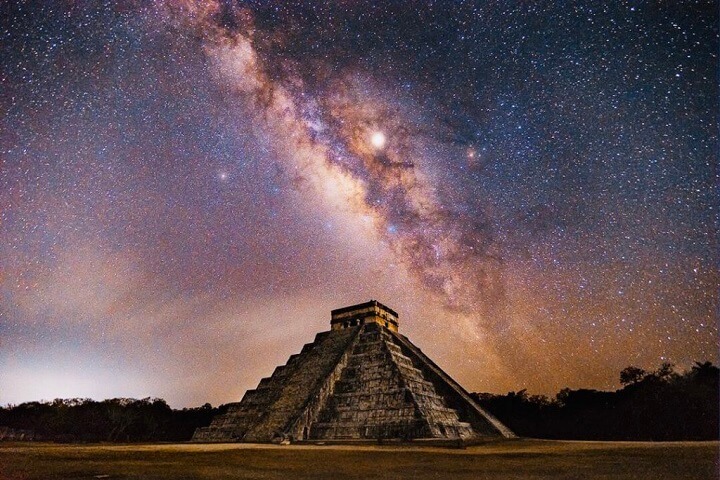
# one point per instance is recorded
(187, 188)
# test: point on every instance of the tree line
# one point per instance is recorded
(114, 420)
(656, 405)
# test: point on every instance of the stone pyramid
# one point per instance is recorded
(360, 380)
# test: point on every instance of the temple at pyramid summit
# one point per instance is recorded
(361, 380)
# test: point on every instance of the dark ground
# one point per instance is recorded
(521, 459)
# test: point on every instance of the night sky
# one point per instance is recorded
(188, 188)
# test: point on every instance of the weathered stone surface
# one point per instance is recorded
(382, 395)
(483, 423)
(357, 381)
(267, 411)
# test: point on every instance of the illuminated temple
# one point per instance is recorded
(361, 380)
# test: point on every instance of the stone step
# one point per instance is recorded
(353, 405)
(368, 355)
(372, 414)
(400, 429)
(364, 347)
(265, 383)
(380, 370)
(369, 360)
(349, 384)
(395, 390)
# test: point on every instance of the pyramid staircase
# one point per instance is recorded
(381, 394)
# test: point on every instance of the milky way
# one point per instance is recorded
(187, 189)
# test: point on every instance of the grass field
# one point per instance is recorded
(522, 459)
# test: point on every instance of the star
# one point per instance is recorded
(377, 139)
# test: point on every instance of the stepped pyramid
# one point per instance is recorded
(360, 380)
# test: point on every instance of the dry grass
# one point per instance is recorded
(522, 459)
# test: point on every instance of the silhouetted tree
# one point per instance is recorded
(114, 420)
(657, 405)
(632, 375)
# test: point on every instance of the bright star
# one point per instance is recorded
(378, 139)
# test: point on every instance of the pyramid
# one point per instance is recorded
(361, 380)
